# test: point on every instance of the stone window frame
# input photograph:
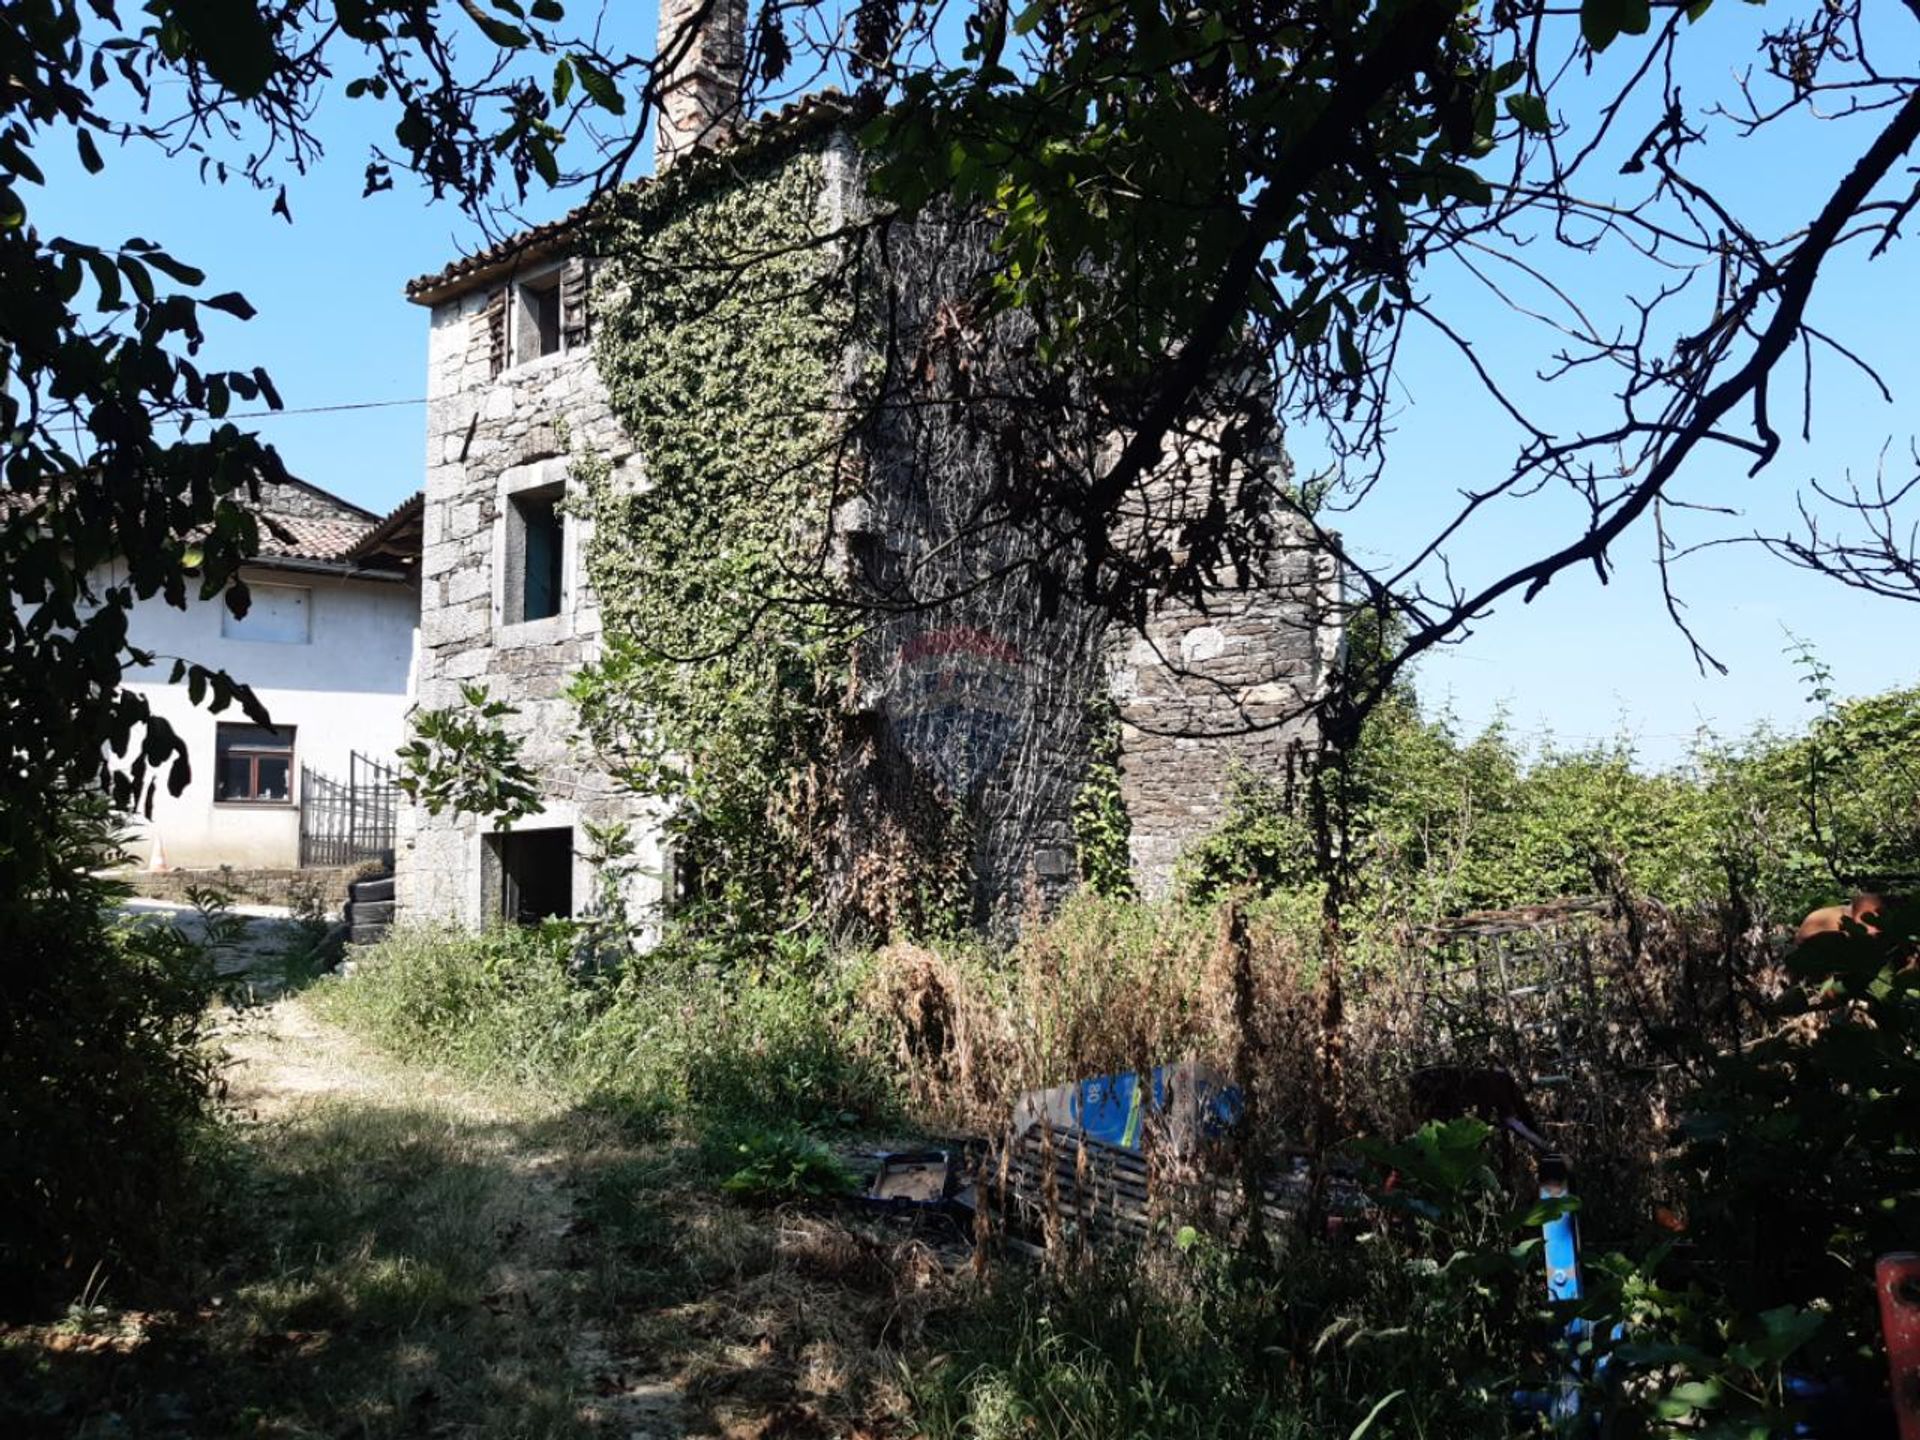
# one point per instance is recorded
(550, 476)
(497, 887)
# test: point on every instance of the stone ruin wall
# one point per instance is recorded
(487, 437)
(1184, 688)
(1205, 696)
(1204, 692)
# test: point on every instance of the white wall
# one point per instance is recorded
(343, 689)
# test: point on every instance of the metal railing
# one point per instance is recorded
(345, 823)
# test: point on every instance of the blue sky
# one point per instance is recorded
(1582, 662)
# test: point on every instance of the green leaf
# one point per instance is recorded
(599, 87)
(1687, 1397)
(234, 303)
(234, 39)
(507, 37)
(562, 80)
(1786, 1330)
(178, 269)
(540, 151)
(138, 278)
(1602, 20)
(89, 152)
(1531, 112)
(1533, 1216)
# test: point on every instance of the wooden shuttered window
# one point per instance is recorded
(576, 323)
(493, 322)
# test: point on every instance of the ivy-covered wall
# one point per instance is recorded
(722, 323)
(804, 651)
(839, 725)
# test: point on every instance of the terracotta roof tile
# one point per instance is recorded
(306, 537)
(396, 534)
(537, 243)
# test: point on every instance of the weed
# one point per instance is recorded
(777, 1165)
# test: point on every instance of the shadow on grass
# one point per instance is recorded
(395, 1270)
(378, 1272)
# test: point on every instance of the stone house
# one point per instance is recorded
(985, 700)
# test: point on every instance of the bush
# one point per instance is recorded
(1801, 1167)
(769, 1166)
(105, 1084)
(1441, 823)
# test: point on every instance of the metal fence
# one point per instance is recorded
(345, 823)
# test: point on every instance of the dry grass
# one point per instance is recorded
(1108, 987)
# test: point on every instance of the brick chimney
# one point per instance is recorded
(700, 94)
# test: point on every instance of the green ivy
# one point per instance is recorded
(722, 327)
(1102, 829)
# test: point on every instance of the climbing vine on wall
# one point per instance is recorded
(1102, 829)
(722, 327)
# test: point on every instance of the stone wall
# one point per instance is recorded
(241, 886)
(1207, 694)
(991, 692)
(987, 699)
(305, 503)
(488, 438)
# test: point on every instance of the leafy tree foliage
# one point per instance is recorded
(1441, 822)
(125, 480)
(105, 1082)
(462, 759)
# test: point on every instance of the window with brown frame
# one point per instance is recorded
(253, 764)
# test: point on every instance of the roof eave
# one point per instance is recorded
(799, 118)
(340, 569)
(454, 286)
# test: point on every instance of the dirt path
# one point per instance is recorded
(293, 1070)
(284, 1056)
(397, 1253)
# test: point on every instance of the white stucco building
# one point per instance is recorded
(327, 647)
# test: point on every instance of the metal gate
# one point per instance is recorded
(345, 824)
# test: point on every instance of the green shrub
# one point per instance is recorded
(105, 1084)
(1801, 1166)
(1441, 823)
(772, 1165)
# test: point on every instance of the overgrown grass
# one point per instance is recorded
(376, 1281)
(665, 1039)
(1420, 1321)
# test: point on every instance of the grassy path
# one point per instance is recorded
(399, 1255)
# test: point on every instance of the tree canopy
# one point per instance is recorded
(1177, 193)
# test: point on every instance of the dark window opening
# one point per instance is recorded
(542, 548)
(536, 875)
(537, 329)
(544, 311)
(253, 764)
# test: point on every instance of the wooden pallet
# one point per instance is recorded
(1103, 1193)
